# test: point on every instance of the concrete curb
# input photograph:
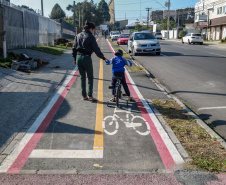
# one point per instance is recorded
(212, 133)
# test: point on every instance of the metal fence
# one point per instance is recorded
(67, 30)
(25, 28)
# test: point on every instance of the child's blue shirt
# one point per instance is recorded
(118, 64)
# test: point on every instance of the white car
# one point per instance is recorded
(158, 35)
(115, 35)
(193, 38)
(143, 42)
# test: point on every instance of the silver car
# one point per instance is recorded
(143, 42)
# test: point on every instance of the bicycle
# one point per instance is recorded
(128, 123)
(117, 91)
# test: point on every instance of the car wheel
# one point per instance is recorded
(158, 53)
(189, 42)
(201, 43)
(182, 41)
(134, 53)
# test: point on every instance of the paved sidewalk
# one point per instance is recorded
(23, 94)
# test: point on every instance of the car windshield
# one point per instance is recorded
(124, 36)
(196, 35)
(158, 34)
(115, 33)
(143, 36)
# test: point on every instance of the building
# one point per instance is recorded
(123, 24)
(156, 15)
(162, 14)
(173, 14)
(111, 6)
(210, 18)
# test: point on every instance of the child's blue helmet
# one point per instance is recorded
(118, 52)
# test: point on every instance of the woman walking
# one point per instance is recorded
(85, 44)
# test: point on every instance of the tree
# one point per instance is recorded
(88, 11)
(117, 24)
(182, 33)
(26, 7)
(138, 26)
(104, 10)
(57, 12)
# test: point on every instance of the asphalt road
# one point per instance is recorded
(69, 137)
(196, 74)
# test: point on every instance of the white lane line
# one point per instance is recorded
(165, 137)
(66, 154)
(210, 108)
(19, 147)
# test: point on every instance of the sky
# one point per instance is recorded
(131, 9)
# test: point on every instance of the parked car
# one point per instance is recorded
(123, 38)
(158, 35)
(143, 42)
(193, 38)
(115, 35)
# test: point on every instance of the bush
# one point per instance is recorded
(223, 40)
(183, 33)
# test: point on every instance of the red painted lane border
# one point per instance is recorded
(164, 153)
(30, 146)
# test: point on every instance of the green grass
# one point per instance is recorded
(53, 51)
(5, 62)
(206, 152)
(62, 46)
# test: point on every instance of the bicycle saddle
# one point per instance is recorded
(118, 78)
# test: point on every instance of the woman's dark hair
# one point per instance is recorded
(89, 25)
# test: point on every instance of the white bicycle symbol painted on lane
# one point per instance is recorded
(112, 122)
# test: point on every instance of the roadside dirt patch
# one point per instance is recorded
(205, 152)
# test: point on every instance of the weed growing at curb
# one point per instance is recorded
(206, 153)
(136, 69)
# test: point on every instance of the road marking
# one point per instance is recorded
(218, 55)
(210, 108)
(66, 154)
(167, 151)
(19, 156)
(99, 131)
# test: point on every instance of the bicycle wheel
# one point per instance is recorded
(140, 125)
(117, 95)
(110, 125)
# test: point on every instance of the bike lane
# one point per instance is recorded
(72, 139)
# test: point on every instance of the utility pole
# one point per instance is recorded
(168, 22)
(148, 9)
(82, 17)
(178, 22)
(74, 16)
(79, 18)
(42, 7)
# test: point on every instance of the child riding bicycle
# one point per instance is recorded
(118, 70)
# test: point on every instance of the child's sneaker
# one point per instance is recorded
(113, 99)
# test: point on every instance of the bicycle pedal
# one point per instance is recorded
(124, 94)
